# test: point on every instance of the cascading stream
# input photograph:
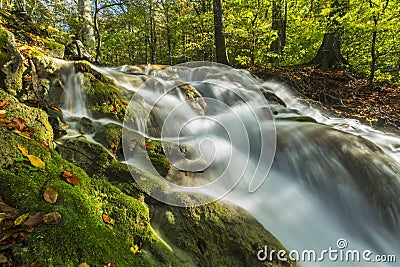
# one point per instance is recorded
(326, 182)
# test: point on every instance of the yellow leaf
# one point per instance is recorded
(23, 134)
(2, 111)
(23, 150)
(36, 162)
(21, 219)
(135, 249)
(83, 264)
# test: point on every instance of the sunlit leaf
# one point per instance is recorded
(20, 159)
(23, 150)
(71, 178)
(108, 220)
(21, 219)
(134, 249)
(36, 162)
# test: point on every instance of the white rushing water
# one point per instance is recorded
(328, 181)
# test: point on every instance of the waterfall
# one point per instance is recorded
(310, 184)
(74, 97)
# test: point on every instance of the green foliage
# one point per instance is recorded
(172, 32)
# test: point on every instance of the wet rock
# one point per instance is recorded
(110, 136)
(85, 126)
(271, 97)
(77, 51)
(91, 157)
(216, 234)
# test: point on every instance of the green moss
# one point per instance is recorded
(50, 44)
(104, 97)
(35, 118)
(4, 57)
(81, 235)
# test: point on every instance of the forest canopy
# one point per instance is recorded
(362, 34)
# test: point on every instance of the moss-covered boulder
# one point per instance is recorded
(91, 157)
(11, 63)
(110, 136)
(35, 118)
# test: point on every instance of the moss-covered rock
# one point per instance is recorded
(11, 63)
(54, 48)
(91, 157)
(35, 118)
(110, 136)
(104, 99)
(216, 234)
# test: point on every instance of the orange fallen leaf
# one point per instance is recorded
(4, 103)
(71, 178)
(45, 145)
(36, 162)
(17, 124)
(108, 220)
(23, 150)
(52, 218)
(50, 195)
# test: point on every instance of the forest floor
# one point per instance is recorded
(347, 96)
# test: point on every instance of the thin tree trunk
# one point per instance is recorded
(220, 45)
(87, 24)
(373, 56)
(96, 26)
(279, 10)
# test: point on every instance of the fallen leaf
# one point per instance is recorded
(71, 178)
(18, 123)
(23, 150)
(56, 109)
(45, 145)
(20, 159)
(27, 78)
(83, 264)
(21, 219)
(134, 249)
(2, 112)
(50, 195)
(108, 220)
(52, 218)
(4, 103)
(36, 162)
(34, 169)
(143, 179)
(23, 134)
(35, 220)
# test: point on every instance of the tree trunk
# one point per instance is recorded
(373, 56)
(279, 21)
(329, 53)
(87, 33)
(219, 38)
(96, 26)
